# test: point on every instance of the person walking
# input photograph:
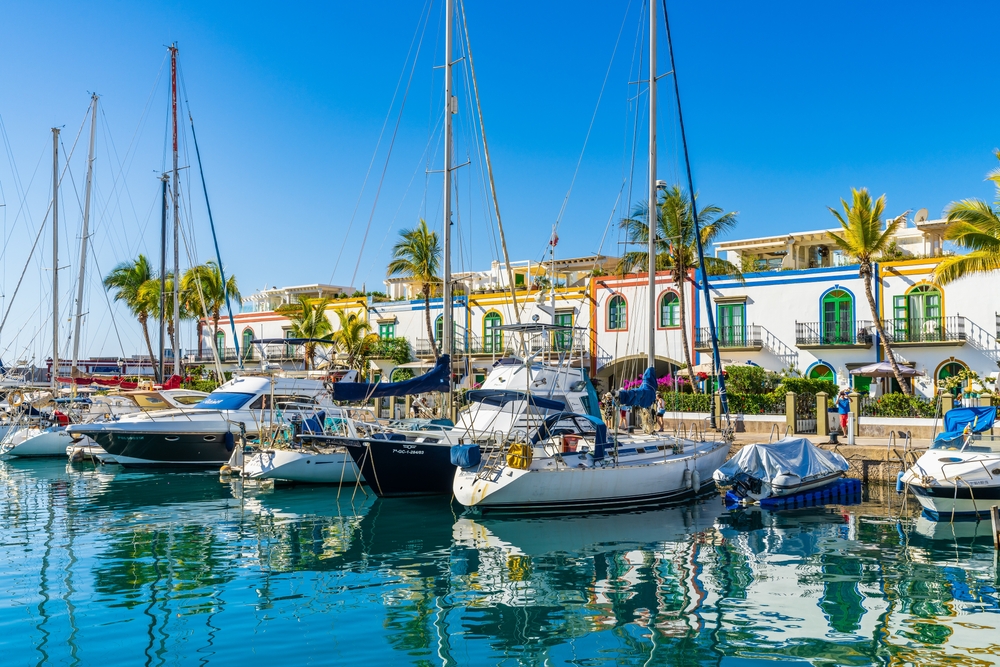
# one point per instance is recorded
(661, 409)
(844, 410)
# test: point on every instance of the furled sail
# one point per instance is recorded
(642, 396)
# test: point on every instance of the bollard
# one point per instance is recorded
(822, 418)
(790, 399)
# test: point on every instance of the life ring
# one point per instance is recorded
(15, 398)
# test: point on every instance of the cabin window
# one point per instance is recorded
(617, 313)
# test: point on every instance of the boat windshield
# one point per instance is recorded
(223, 400)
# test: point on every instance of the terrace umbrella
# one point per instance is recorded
(883, 369)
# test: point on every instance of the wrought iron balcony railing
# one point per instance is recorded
(918, 330)
(748, 336)
(823, 334)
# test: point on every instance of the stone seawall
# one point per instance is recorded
(872, 464)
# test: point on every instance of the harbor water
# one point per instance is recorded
(108, 567)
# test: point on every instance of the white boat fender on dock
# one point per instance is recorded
(695, 480)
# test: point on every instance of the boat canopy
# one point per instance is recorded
(436, 379)
(977, 420)
(794, 456)
(600, 430)
(643, 396)
(501, 397)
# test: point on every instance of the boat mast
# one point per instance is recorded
(177, 254)
(651, 213)
(450, 104)
(74, 370)
(55, 257)
(163, 274)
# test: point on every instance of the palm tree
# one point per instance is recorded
(354, 338)
(865, 241)
(975, 226)
(310, 321)
(417, 254)
(676, 246)
(127, 279)
(205, 295)
(150, 291)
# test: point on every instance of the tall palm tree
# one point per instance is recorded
(310, 321)
(127, 280)
(975, 226)
(865, 241)
(417, 254)
(205, 295)
(676, 246)
(355, 339)
(150, 291)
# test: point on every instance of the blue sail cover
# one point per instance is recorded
(643, 396)
(955, 421)
(436, 379)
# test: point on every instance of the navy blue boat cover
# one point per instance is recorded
(642, 396)
(436, 379)
(955, 421)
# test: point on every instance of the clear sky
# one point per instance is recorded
(787, 104)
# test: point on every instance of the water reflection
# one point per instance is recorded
(131, 568)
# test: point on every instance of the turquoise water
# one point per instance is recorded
(110, 568)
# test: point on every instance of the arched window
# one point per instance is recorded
(439, 327)
(617, 313)
(220, 343)
(492, 336)
(822, 371)
(837, 318)
(918, 315)
(246, 347)
(670, 310)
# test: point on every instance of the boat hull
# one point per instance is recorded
(575, 488)
(166, 450)
(960, 484)
(301, 466)
(941, 502)
(399, 469)
(50, 442)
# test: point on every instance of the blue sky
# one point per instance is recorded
(787, 105)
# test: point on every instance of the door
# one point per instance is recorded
(492, 336)
(732, 332)
(838, 325)
(563, 340)
(924, 313)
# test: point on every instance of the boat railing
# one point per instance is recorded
(494, 452)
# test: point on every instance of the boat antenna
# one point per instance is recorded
(716, 359)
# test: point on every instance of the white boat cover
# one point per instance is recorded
(797, 456)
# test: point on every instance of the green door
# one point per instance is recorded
(924, 313)
(732, 332)
(563, 340)
(837, 324)
(492, 336)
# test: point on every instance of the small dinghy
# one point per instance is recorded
(783, 468)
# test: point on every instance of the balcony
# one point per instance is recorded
(505, 344)
(819, 335)
(273, 352)
(933, 331)
(742, 338)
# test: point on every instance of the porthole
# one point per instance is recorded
(171, 438)
(209, 438)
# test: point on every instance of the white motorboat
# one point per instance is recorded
(204, 435)
(49, 439)
(782, 468)
(959, 476)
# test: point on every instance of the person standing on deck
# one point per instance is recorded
(844, 409)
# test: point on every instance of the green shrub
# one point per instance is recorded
(808, 386)
(685, 402)
(900, 405)
(396, 349)
(746, 379)
(757, 404)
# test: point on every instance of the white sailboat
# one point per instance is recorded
(539, 472)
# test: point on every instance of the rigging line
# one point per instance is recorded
(215, 240)
(18, 186)
(402, 199)
(716, 357)
(114, 320)
(489, 165)
(115, 190)
(23, 197)
(41, 227)
(425, 13)
(600, 96)
(385, 166)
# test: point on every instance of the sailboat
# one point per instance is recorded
(541, 472)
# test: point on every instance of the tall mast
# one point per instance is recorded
(163, 275)
(55, 256)
(74, 370)
(651, 214)
(447, 328)
(177, 254)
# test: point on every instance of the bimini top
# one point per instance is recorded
(977, 420)
(600, 430)
(501, 397)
